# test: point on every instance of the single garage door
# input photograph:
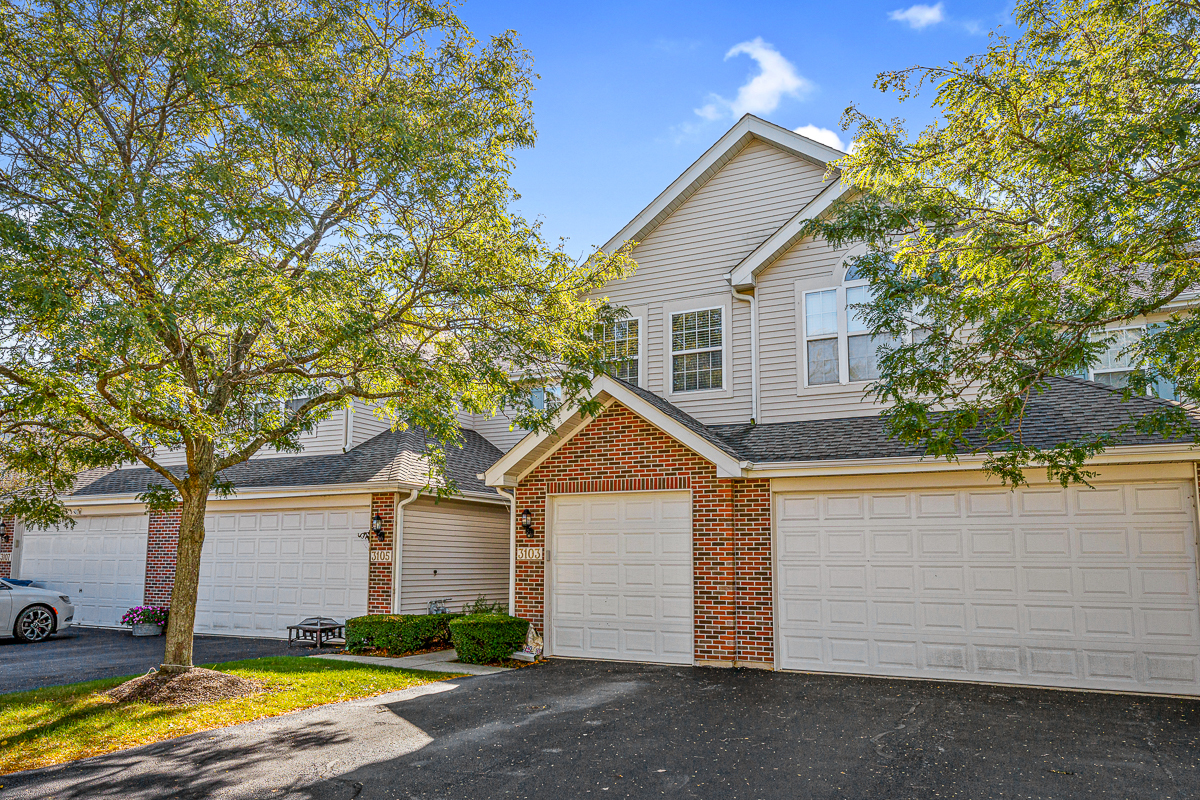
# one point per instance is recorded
(1077, 587)
(620, 569)
(263, 571)
(100, 563)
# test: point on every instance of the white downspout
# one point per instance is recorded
(512, 549)
(749, 298)
(398, 547)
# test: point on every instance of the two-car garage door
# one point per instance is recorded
(1076, 587)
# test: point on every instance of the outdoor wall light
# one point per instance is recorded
(527, 522)
(377, 527)
(4, 534)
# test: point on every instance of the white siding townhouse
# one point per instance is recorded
(739, 504)
(287, 545)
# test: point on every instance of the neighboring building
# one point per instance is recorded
(739, 504)
(287, 545)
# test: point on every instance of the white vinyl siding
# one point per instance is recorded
(467, 545)
(1086, 588)
(783, 395)
(689, 257)
(498, 430)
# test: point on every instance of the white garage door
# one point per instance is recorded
(1085, 588)
(100, 563)
(263, 571)
(620, 569)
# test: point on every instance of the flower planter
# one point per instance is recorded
(142, 629)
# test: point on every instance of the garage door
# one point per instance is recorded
(1084, 588)
(100, 563)
(621, 577)
(260, 572)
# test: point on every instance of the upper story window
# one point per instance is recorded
(621, 348)
(697, 344)
(1118, 361)
(838, 345)
(541, 395)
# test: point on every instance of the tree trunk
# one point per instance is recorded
(182, 619)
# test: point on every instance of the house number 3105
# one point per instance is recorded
(381, 555)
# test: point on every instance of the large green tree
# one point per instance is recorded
(210, 208)
(1056, 197)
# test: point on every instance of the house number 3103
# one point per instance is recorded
(529, 554)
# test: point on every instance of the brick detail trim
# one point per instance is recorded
(379, 573)
(6, 547)
(620, 485)
(162, 546)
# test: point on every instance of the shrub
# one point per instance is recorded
(483, 638)
(481, 605)
(145, 615)
(398, 633)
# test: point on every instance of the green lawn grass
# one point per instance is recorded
(63, 723)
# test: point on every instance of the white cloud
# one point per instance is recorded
(822, 135)
(919, 16)
(762, 93)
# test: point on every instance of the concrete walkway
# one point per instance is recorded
(441, 661)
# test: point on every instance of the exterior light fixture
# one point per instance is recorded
(377, 527)
(527, 522)
(5, 535)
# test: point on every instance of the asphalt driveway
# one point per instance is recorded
(576, 729)
(86, 654)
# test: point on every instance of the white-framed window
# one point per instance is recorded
(622, 349)
(697, 350)
(540, 395)
(1118, 361)
(837, 345)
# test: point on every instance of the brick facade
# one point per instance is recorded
(161, 546)
(6, 547)
(379, 576)
(731, 526)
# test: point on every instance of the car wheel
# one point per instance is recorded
(34, 624)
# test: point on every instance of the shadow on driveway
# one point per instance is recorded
(573, 729)
(86, 654)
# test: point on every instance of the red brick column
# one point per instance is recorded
(379, 574)
(161, 547)
(755, 593)
(6, 547)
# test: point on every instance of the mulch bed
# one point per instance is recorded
(197, 685)
(375, 651)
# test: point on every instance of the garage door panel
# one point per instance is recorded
(100, 562)
(985, 589)
(621, 577)
(261, 572)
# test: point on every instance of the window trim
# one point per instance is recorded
(705, 303)
(669, 333)
(1092, 371)
(638, 315)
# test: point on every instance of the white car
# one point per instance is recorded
(32, 614)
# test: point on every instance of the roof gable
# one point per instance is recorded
(748, 128)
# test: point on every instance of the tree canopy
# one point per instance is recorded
(1055, 199)
(221, 221)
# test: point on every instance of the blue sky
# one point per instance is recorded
(631, 93)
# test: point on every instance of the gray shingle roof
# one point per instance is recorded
(1069, 410)
(708, 432)
(393, 456)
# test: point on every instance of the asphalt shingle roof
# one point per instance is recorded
(393, 456)
(1069, 410)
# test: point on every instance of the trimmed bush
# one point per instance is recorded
(484, 638)
(398, 633)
